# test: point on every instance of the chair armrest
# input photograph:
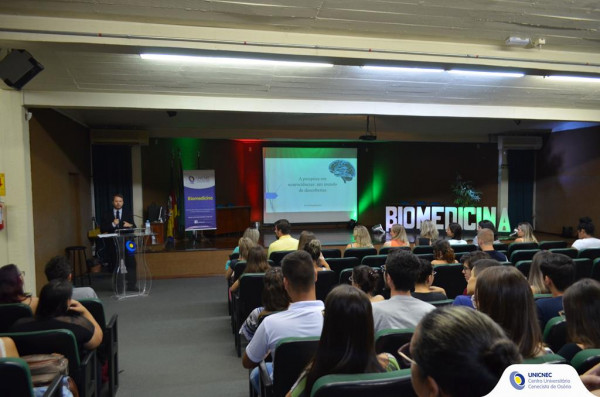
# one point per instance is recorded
(265, 381)
(87, 377)
(55, 388)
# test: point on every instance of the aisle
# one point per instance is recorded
(177, 341)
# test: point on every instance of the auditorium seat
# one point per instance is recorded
(512, 247)
(292, 356)
(585, 360)
(277, 256)
(546, 245)
(390, 340)
(345, 276)
(326, 280)
(109, 348)
(570, 252)
(331, 253)
(546, 359)
(596, 269)
(15, 380)
(11, 312)
(451, 279)
(444, 302)
(374, 260)
(500, 247)
(359, 252)
(589, 253)
(339, 264)
(522, 255)
(386, 250)
(428, 257)
(524, 267)
(555, 333)
(382, 384)
(82, 368)
(464, 248)
(247, 298)
(423, 249)
(583, 268)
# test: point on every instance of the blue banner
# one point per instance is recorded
(199, 196)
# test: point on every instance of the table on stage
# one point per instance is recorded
(131, 276)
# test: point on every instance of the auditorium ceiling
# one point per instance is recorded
(93, 71)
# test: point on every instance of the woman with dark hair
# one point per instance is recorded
(347, 344)
(450, 345)
(274, 299)
(585, 235)
(305, 237)
(581, 302)
(56, 310)
(399, 237)
(424, 290)
(313, 247)
(256, 263)
(365, 278)
(11, 287)
(443, 254)
(454, 233)
(503, 293)
(303, 244)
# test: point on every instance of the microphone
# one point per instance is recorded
(514, 233)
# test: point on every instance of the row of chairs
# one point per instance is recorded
(584, 268)
(294, 353)
(82, 367)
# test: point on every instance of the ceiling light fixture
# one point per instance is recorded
(574, 79)
(514, 41)
(402, 69)
(486, 73)
(231, 61)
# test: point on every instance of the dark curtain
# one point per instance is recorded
(112, 174)
(521, 174)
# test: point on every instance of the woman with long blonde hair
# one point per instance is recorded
(362, 238)
(399, 237)
(525, 233)
(429, 233)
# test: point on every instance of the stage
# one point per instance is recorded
(208, 253)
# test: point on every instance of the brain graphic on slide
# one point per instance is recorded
(343, 169)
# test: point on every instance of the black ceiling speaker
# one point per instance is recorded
(18, 68)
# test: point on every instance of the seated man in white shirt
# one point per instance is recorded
(401, 271)
(304, 316)
(284, 241)
(585, 235)
(59, 268)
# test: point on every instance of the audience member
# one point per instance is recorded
(253, 234)
(468, 260)
(585, 235)
(429, 233)
(424, 290)
(582, 311)
(256, 263)
(59, 268)
(477, 266)
(362, 238)
(56, 310)
(486, 224)
(11, 287)
(244, 245)
(401, 271)
(536, 279)
(558, 272)
(485, 240)
(454, 233)
(313, 247)
(459, 353)
(305, 238)
(365, 278)
(274, 299)
(591, 380)
(8, 348)
(525, 233)
(347, 344)
(302, 318)
(443, 254)
(504, 294)
(284, 242)
(398, 237)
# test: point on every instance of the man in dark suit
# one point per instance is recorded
(119, 218)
